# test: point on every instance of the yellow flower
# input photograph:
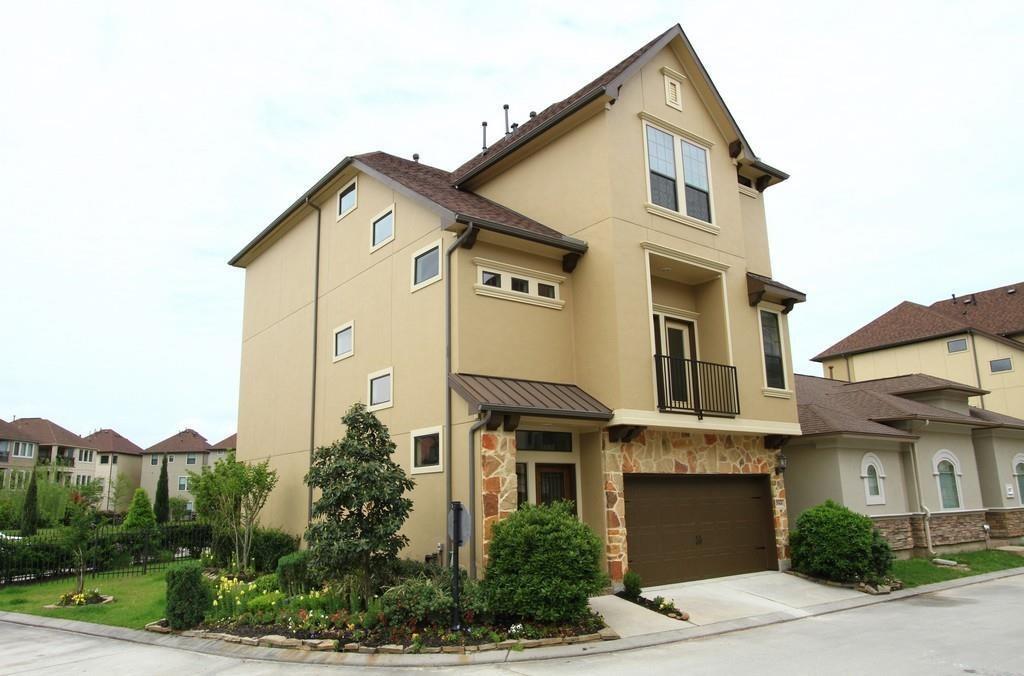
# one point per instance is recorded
(215, 602)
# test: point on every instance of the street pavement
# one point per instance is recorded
(977, 629)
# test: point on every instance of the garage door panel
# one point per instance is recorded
(692, 527)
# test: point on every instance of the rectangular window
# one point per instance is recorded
(537, 440)
(426, 450)
(190, 506)
(426, 266)
(545, 290)
(670, 156)
(23, 449)
(170, 457)
(497, 279)
(522, 485)
(190, 459)
(695, 176)
(114, 461)
(343, 341)
(183, 483)
(1001, 365)
(104, 459)
(383, 228)
(771, 338)
(520, 285)
(662, 162)
(347, 199)
(380, 390)
(957, 345)
(490, 279)
(152, 460)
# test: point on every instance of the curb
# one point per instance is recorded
(220, 648)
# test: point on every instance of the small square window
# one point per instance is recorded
(545, 290)
(170, 457)
(1001, 365)
(426, 267)
(957, 345)
(114, 460)
(347, 199)
(383, 229)
(490, 279)
(104, 459)
(343, 337)
(380, 390)
(426, 450)
(520, 285)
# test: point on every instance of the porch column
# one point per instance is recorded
(615, 507)
(498, 481)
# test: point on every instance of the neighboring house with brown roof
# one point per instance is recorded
(912, 453)
(117, 456)
(585, 310)
(66, 457)
(187, 451)
(977, 338)
(222, 448)
(18, 452)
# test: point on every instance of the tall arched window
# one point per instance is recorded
(947, 476)
(1018, 474)
(873, 475)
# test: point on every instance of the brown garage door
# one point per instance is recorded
(682, 528)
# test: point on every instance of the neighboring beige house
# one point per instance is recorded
(117, 456)
(187, 451)
(65, 457)
(911, 453)
(221, 449)
(584, 311)
(18, 452)
(977, 339)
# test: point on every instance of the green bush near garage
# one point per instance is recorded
(832, 542)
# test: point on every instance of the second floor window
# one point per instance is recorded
(771, 338)
(183, 483)
(347, 198)
(343, 345)
(23, 449)
(426, 266)
(383, 228)
(670, 157)
(190, 459)
(104, 459)
(153, 460)
(1001, 365)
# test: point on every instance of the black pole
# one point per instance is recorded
(457, 535)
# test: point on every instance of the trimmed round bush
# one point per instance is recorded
(631, 584)
(293, 574)
(269, 545)
(544, 564)
(417, 601)
(834, 543)
(188, 595)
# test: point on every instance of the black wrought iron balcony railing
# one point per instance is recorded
(698, 387)
(59, 461)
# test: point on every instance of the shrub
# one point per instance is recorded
(834, 543)
(544, 564)
(269, 545)
(161, 504)
(179, 508)
(417, 601)
(140, 514)
(8, 515)
(265, 583)
(265, 603)
(293, 574)
(632, 585)
(188, 595)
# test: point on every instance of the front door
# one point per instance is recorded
(555, 482)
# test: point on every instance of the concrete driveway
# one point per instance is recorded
(720, 600)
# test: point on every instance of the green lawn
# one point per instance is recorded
(138, 599)
(916, 572)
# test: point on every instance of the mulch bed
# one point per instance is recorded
(647, 603)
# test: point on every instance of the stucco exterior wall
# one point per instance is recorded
(995, 451)
(956, 440)
(177, 466)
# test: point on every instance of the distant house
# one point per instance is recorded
(185, 451)
(18, 451)
(67, 458)
(117, 456)
(976, 339)
(910, 452)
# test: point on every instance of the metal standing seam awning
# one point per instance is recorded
(527, 397)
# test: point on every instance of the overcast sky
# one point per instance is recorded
(142, 144)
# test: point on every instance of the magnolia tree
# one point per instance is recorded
(362, 506)
(231, 496)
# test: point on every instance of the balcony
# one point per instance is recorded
(698, 387)
(59, 461)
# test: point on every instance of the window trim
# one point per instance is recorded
(1017, 460)
(424, 432)
(678, 135)
(185, 479)
(949, 343)
(28, 449)
(191, 458)
(413, 286)
(153, 461)
(389, 371)
(872, 460)
(505, 292)
(946, 455)
(394, 227)
(337, 199)
(996, 373)
(334, 341)
(783, 392)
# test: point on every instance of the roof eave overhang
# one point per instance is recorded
(859, 435)
(761, 289)
(570, 244)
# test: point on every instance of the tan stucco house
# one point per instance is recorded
(187, 451)
(116, 456)
(932, 471)
(63, 456)
(977, 338)
(18, 452)
(585, 310)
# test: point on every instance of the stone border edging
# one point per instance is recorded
(216, 647)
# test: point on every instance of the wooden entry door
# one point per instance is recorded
(555, 482)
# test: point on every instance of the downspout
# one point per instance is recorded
(316, 323)
(977, 371)
(472, 494)
(466, 234)
(920, 500)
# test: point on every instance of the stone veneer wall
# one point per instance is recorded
(897, 531)
(498, 474)
(1008, 523)
(675, 452)
(949, 528)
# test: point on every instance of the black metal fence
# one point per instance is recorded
(700, 387)
(111, 550)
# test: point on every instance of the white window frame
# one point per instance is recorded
(337, 199)
(949, 456)
(389, 371)
(996, 373)
(23, 449)
(170, 458)
(190, 506)
(787, 391)
(872, 460)
(413, 286)
(192, 459)
(505, 292)
(185, 480)
(334, 341)
(153, 461)
(1017, 459)
(422, 432)
(678, 134)
(394, 226)
(949, 343)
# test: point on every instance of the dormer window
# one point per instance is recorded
(670, 156)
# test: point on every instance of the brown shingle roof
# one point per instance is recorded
(109, 441)
(49, 433)
(529, 397)
(186, 441)
(226, 444)
(997, 313)
(11, 432)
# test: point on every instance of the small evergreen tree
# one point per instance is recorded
(362, 507)
(30, 510)
(161, 504)
(140, 514)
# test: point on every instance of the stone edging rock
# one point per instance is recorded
(857, 586)
(278, 641)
